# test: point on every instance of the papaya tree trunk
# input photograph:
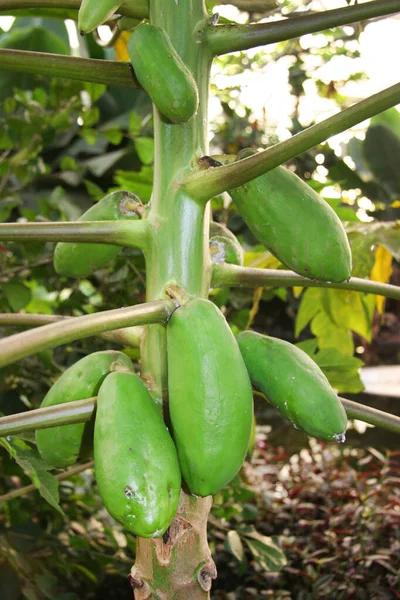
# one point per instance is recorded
(179, 565)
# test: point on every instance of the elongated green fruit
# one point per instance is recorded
(136, 464)
(63, 446)
(162, 73)
(94, 13)
(81, 260)
(224, 247)
(295, 224)
(294, 384)
(210, 397)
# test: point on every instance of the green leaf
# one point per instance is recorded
(347, 311)
(94, 190)
(145, 149)
(95, 90)
(265, 550)
(309, 307)
(135, 124)
(382, 149)
(17, 294)
(68, 163)
(30, 461)
(390, 118)
(89, 135)
(137, 182)
(342, 371)
(330, 335)
(234, 545)
(114, 135)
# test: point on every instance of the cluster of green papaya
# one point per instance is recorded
(139, 463)
(295, 224)
(136, 462)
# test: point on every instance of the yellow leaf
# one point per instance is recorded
(381, 271)
(395, 204)
(120, 47)
(256, 305)
(297, 290)
(261, 260)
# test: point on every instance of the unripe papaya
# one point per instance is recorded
(93, 13)
(224, 246)
(210, 397)
(63, 446)
(73, 259)
(294, 384)
(162, 73)
(135, 459)
(295, 224)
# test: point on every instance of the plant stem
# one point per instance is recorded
(24, 344)
(120, 233)
(78, 411)
(60, 476)
(130, 336)
(138, 9)
(81, 411)
(372, 416)
(231, 38)
(180, 566)
(107, 72)
(225, 275)
(205, 184)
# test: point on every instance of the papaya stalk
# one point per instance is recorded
(179, 565)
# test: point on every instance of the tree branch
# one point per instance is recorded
(68, 413)
(225, 275)
(204, 184)
(81, 411)
(120, 233)
(231, 38)
(381, 419)
(60, 476)
(24, 344)
(137, 9)
(130, 336)
(107, 72)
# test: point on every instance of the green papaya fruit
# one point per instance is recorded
(224, 247)
(210, 397)
(74, 259)
(295, 224)
(136, 464)
(63, 446)
(93, 13)
(162, 73)
(294, 384)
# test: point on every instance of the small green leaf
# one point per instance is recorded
(265, 550)
(17, 294)
(145, 149)
(330, 335)
(68, 163)
(309, 307)
(30, 461)
(114, 135)
(234, 545)
(95, 90)
(90, 135)
(135, 124)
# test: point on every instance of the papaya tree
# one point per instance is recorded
(167, 440)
